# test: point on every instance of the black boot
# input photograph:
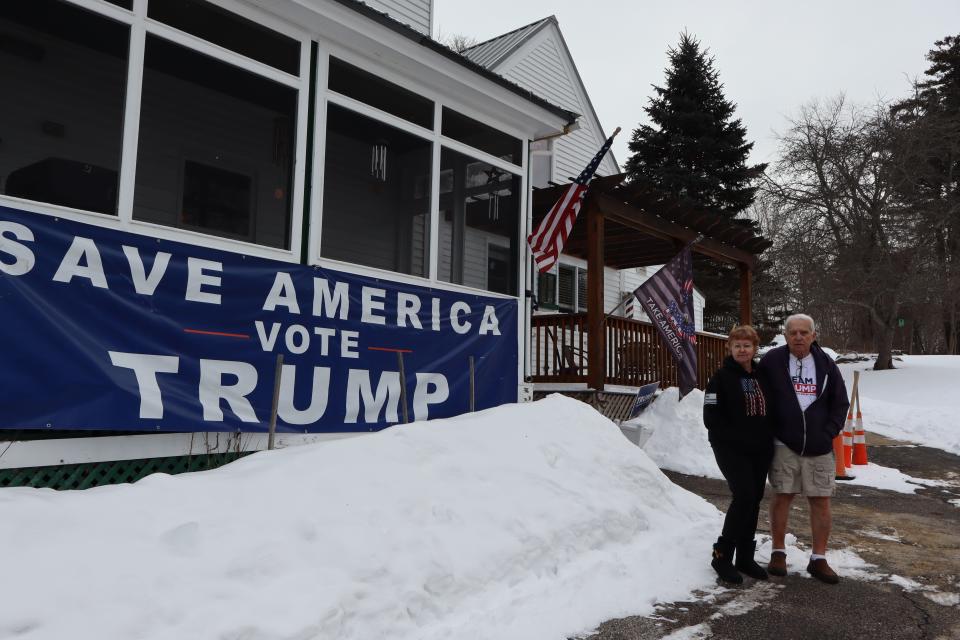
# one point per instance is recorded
(722, 561)
(745, 563)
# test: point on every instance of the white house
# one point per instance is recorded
(188, 190)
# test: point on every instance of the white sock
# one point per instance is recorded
(783, 551)
(816, 556)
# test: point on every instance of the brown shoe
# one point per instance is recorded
(820, 570)
(778, 563)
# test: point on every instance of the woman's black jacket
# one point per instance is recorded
(735, 410)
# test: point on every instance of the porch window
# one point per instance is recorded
(376, 194)
(481, 136)
(360, 85)
(547, 290)
(64, 72)
(230, 31)
(571, 288)
(216, 147)
(479, 209)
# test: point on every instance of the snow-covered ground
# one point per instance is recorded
(919, 401)
(525, 521)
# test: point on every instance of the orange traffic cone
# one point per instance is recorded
(841, 468)
(848, 443)
(839, 457)
(859, 437)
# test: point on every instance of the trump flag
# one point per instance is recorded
(667, 297)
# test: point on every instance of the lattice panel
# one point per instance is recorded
(95, 474)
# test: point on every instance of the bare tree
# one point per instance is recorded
(456, 41)
(844, 246)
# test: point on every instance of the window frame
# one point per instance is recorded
(300, 214)
(139, 26)
(326, 96)
(578, 305)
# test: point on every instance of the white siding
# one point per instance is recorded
(698, 302)
(413, 13)
(546, 69)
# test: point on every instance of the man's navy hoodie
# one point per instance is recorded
(810, 432)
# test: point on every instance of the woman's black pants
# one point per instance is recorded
(745, 471)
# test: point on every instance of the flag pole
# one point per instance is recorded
(547, 239)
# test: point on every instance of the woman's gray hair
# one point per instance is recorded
(799, 316)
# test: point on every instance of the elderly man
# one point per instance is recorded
(807, 405)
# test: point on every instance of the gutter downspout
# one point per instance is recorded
(528, 262)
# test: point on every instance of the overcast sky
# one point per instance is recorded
(772, 56)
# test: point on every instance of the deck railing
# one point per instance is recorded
(635, 354)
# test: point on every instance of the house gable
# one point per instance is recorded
(536, 57)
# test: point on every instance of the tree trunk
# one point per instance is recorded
(918, 345)
(884, 349)
(952, 331)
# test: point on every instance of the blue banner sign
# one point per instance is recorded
(108, 330)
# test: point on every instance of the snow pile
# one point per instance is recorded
(679, 440)
(525, 521)
(917, 402)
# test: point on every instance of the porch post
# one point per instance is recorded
(746, 315)
(596, 343)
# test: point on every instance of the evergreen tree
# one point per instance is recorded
(926, 152)
(695, 149)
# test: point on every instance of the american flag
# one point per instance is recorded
(667, 297)
(547, 240)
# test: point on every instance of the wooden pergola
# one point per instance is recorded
(625, 226)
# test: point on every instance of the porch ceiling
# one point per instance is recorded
(644, 226)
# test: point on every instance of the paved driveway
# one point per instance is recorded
(914, 541)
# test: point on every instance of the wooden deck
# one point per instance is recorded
(634, 354)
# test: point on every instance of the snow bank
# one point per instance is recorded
(525, 521)
(679, 440)
(918, 402)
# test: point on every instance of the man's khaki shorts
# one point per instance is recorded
(809, 476)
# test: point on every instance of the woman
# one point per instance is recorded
(735, 414)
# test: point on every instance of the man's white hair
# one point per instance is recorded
(799, 316)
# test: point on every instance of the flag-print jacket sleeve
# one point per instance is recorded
(713, 415)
